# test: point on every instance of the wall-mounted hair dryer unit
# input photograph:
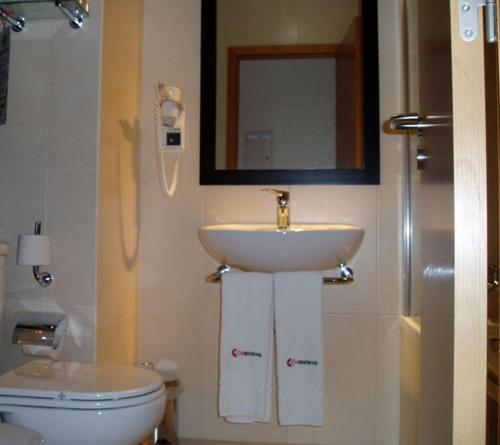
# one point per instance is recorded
(172, 116)
(17, 24)
(34, 250)
(170, 129)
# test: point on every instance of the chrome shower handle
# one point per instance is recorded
(419, 122)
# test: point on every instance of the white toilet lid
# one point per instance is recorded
(78, 381)
(12, 434)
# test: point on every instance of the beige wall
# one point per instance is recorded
(179, 311)
(48, 171)
(273, 22)
(118, 228)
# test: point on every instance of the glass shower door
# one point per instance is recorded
(430, 218)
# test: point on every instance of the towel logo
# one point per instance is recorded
(291, 362)
(237, 353)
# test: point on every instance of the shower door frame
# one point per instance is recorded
(470, 214)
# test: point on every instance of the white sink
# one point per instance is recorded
(264, 248)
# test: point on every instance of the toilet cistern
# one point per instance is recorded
(283, 219)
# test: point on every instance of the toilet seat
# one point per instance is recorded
(82, 386)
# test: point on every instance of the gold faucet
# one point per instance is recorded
(283, 212)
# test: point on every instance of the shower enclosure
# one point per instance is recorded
(432, 207)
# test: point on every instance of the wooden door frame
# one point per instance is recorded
(470, 320)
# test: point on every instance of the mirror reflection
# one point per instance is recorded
(289, 85)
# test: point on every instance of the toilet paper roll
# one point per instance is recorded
(33, 250)
(59, 333)
(42, 351)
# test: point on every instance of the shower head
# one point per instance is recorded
(76, 13)
(17, 24)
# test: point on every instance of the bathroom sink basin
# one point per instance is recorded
(264, 248)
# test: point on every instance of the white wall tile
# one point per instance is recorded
(346, 205)
(390, 26)
(387, 407)
(391, 279)
(71, 222)
(172, 21)
(393, 152)
(22, 195)
(52, 122)
(242, 204)
(24, 145)
(74, 86)
(28, 93)
(392, 147)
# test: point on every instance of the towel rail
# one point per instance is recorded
(346, 275)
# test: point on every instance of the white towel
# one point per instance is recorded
(245, 385)
(299, 344)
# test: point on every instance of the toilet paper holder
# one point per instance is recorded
(38, 258)
(40, 329)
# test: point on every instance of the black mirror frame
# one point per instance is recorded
(209, 175)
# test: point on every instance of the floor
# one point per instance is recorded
(208, 442)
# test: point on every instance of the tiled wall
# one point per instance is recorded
(118, 228)
(179, 311)
(48, 172)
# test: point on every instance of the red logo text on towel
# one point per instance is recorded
(291, 362)
(237, 353)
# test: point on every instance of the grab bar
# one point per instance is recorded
(346, 275)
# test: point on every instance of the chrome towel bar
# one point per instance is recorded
(346, 275)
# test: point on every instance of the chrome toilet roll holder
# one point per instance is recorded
(40, 329)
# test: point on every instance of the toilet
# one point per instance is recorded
(78, 403)
(83, 403)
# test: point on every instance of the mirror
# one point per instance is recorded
(289, 92)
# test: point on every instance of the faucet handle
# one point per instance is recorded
(281, 195)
